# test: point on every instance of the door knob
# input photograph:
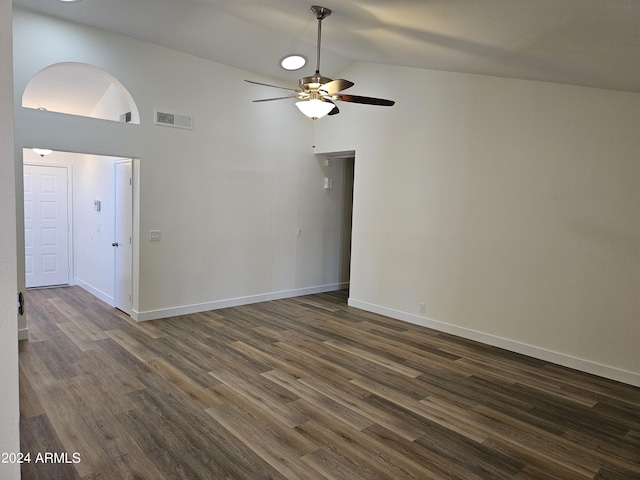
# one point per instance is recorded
(114, 244)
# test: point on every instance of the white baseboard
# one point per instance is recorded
(143, 316)
(23, 334)
(557, 358)
(95, 292)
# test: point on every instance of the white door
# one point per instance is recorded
(123, 245)
(46, 225)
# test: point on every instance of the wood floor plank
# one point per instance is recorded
(35, 370)
(394, 346)
(131, 345)
(442, 467)
(622, 452)
(116, 378)
(30, 405)
(148, 328)
(330, 406)
(160, 442)
(537, 462)
(457, 423)
(127, 457)
(176, 377)
(39, 436)
(372, 357)
(358, 404)
(195, 347)
(122, 358)
(478, 459)
(257, 390)
(199, 447)
(77, 336)
(307, 388)
(529, 378)
(279, 446)
(59, 354)
(269, 359)
(315, 364)
(74, 434)
(48, 316)
(547, 447)
(334, 466)
(76, 316)
(370, 453)
(258, 419)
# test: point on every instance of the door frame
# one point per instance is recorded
(131, 207)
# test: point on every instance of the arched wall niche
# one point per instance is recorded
(80, 89)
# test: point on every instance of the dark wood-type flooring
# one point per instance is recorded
(304, 388)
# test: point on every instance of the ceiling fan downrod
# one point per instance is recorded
(321, 13)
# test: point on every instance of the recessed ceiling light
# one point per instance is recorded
(42, 151)
(293, 62)
(69, 1)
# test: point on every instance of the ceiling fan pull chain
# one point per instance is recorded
(314, 135)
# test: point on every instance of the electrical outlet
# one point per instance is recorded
(423, 308)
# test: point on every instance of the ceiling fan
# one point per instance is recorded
(315, 95)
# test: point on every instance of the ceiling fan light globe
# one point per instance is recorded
(314, 108)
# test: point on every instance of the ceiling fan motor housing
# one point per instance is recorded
(314, 82)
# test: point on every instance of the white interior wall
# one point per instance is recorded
(509, 208)
(9, 412)
(94, 231)
(227, 195)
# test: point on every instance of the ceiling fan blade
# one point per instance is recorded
(272, 99)
(335, 111)
(336, 86)
(366, 100)
(272, 86)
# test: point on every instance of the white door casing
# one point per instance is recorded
(123, 242)
(46, 191)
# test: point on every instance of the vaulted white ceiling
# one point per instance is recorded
(580, 42)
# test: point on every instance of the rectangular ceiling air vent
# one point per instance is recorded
(172, 119)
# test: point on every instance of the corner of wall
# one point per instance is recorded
(9, 396)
